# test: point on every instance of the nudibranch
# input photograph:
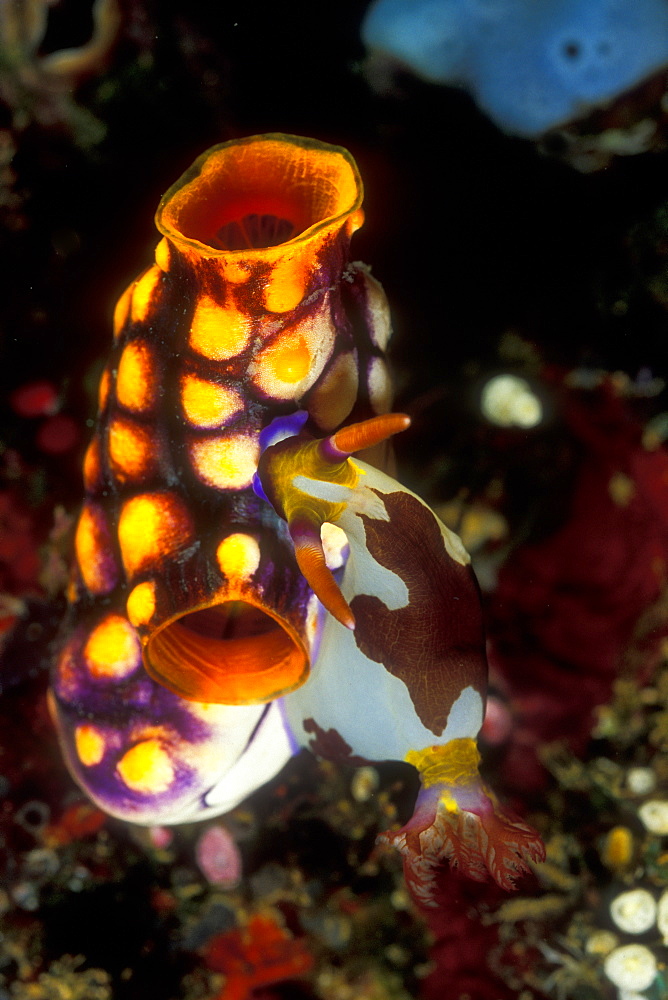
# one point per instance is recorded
(240, 583)
(400, 671)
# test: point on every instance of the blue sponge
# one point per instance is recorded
(531, 65)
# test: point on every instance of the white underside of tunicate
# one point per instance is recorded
(269, 749)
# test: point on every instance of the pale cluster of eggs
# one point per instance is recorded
(634, 967)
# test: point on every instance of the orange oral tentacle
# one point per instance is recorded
(310, 557)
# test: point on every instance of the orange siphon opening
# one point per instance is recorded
(232, 653)
(260, 192)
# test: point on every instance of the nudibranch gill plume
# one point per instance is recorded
(241, 583)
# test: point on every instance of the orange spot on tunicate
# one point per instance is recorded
(121, 310)
(208, 404)
(136, 382)
(238, 556)
(227, 462)
(91, 465)
(90, 744)
(146, 768)
(103, 390)
(143, 292)
(218, 332)
(287, 285)
(112, 650)
(141, 603)
(292, 361)
(288, 362)
(162, 255)
(151, 527)
(92, 543)
(132, 450)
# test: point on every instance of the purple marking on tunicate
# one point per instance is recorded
(292, 739)
(282, 427)
(256, 483)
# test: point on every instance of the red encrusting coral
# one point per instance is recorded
(261, 952)
(567, 607)
(79, 820)
(463, 942)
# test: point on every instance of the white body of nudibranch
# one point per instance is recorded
(400, 672)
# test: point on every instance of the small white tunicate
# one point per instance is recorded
(654, 815)
(509, 401)
(601, 943)
(631, 967)
(364, 783)
(662, 916)
(641, 780)
(634, 911)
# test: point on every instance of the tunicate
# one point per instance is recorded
(634, 911)
(631, 967)
(641, 780)
(662, 916)
(654, 815)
